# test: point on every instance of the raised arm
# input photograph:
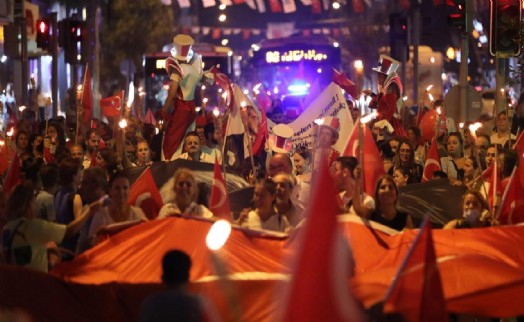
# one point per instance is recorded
(73, 227)
(360, 209)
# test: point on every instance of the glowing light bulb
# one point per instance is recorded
(122, 124)
(218, 235)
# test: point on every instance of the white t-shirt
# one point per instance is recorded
(213, 152)
(102, 219)
(194, 209)
(367, 201)
(495, 139)
(276, 222)
(35, 233)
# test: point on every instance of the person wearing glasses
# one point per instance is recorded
(184, 203)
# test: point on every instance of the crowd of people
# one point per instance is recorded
(72, 189)
(71, 169)
(61, 199)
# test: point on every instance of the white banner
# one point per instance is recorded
(331, 102)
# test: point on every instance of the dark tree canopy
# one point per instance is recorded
(129, 30)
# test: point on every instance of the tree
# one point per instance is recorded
(130, 29)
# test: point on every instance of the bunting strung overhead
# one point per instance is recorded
(246, 33)
(289, 6)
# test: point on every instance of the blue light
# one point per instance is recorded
(298, 89)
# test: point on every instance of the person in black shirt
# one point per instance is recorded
(386, 200)
(175, 303)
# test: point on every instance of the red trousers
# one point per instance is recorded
(181, 119)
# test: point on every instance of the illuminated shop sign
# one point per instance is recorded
(160, 63)
(290, 56)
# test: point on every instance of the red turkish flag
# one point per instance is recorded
(416, 291)
(341, 80)
(316, 6)
(512, 206)
(219, 200)
(358, 6)
(144, 194)
(275, 6)
(372, 165)
(6, 153)
(432, 163)
(12, 177)
(87, 97)
(216, 33)
(4, 163)
(318, 290)
(149, 118)
(112, 106)
(262, 134)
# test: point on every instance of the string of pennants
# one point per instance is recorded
(289, 6)
(246, 33)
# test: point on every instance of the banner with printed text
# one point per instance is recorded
(331, 102)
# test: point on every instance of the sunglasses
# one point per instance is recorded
(181, 184)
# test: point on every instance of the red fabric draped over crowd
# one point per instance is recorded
(482, 271)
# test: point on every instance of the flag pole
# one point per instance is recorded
(389, 292)
(224, 145)
(121, 134)
(361, 152)
(496, 175)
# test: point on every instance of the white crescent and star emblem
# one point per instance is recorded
(117, 102)
(355, 149)
(143, 196)
(428, 163)
(220, 186)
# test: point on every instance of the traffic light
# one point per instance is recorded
(458, 16)
(43, 33)
(73, 38)
(505, 25)
(398, 36)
